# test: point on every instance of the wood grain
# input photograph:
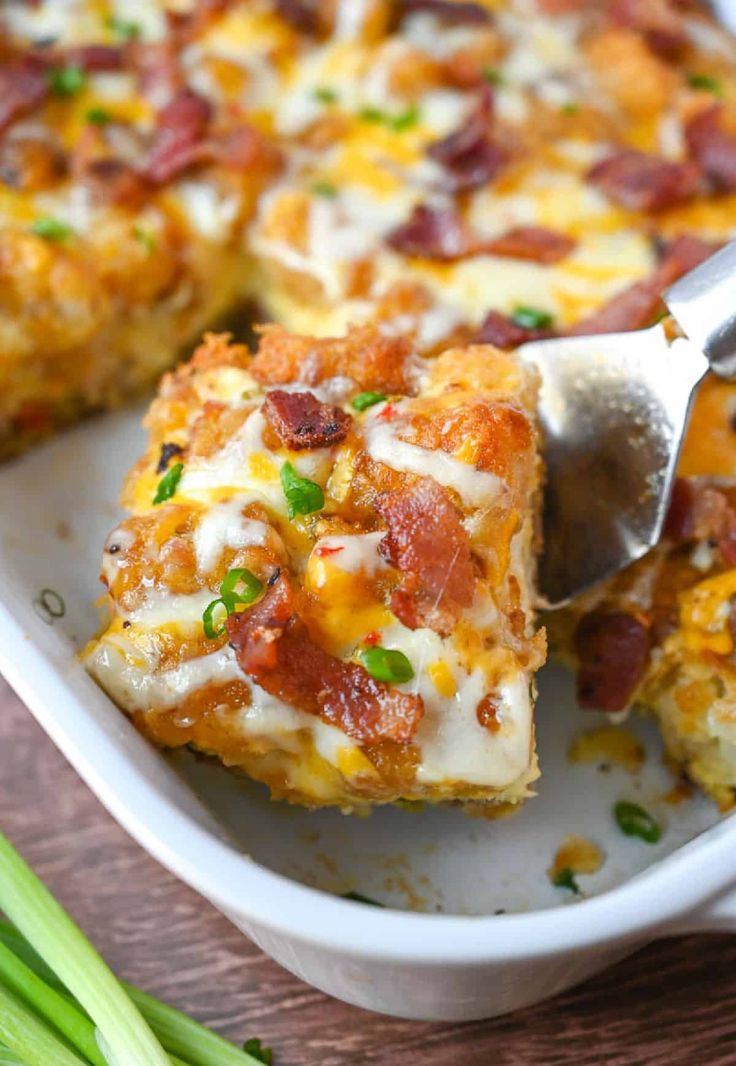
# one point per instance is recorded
(672, 1003)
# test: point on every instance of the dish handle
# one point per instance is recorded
(716, 915)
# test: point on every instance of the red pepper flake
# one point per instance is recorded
(325, 549)
(388, 413)
(372, 638)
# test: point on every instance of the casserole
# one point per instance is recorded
(464, 963)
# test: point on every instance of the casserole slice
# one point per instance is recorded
(325, 580)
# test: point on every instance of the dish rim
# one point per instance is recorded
(246, 890)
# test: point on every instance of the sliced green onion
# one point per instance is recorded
(97, 116)
(51, 229)
(168, 484)
(367, 399)
(302, 495)
(42, 921)
(358, 897)
(386, 664)
(532, 318)
(49, 606)
(35, 1044)
(706, 83)
(145, 238)
(634, 821)
(325, 189)
(211, 630)
(405, 120)
(123, 29)
(239, 586)
(570, 108)
(494, 76)
(256, 1050)
(67, 81)
(565, 878)
(372, 114)
(325, 95)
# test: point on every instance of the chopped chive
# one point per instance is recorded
(494, 76)
(570, 108)
(325, 95)
(67, 81)
(532, 318)
(211, 631)
(145, 238)
(386, 664)
(239, 586)
(97, 116)
(405, 120)
(51, 229)
(358, 897)
(31, 907)
(565, 878)
(123, 29)
(324, 188)
(302, 495)
(634, 821)
(254, 1047)
(706, 83)
(372, 114)
(168, 484)
(367, 399)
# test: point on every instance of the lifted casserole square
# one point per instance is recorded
(363, 521)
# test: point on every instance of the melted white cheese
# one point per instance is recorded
(477, 488)
(224, 526)
(354, 552)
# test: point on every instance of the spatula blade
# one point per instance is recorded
(613, 410)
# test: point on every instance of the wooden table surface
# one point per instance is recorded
(671, 1003)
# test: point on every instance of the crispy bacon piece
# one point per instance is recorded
(368, 357)
(469, 156)
(23, 86)
(613, 652)
(450, 12)
(658, 20)
(641, 182)
(638, 305)
(181, 128)
(433, 233)
(96, 57)
(299, 420)
(303, 15)
(273, 646)
(502, 332)
(700, 512)
(535, 243)
(713, 146)
(428, 543)
(112, 181)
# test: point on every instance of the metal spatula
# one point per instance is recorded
(613, 410)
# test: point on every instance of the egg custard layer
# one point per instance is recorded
(326, 577)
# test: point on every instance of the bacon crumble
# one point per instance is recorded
(534, 243)
(613, 651)
(469, 156)
(274, 648)
(428, 543)
(641, 182)
(300, 420)
(713, 146)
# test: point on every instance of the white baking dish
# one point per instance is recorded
(467, 961)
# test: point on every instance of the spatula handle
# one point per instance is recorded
(704, 304)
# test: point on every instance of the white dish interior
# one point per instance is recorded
(56, 507)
